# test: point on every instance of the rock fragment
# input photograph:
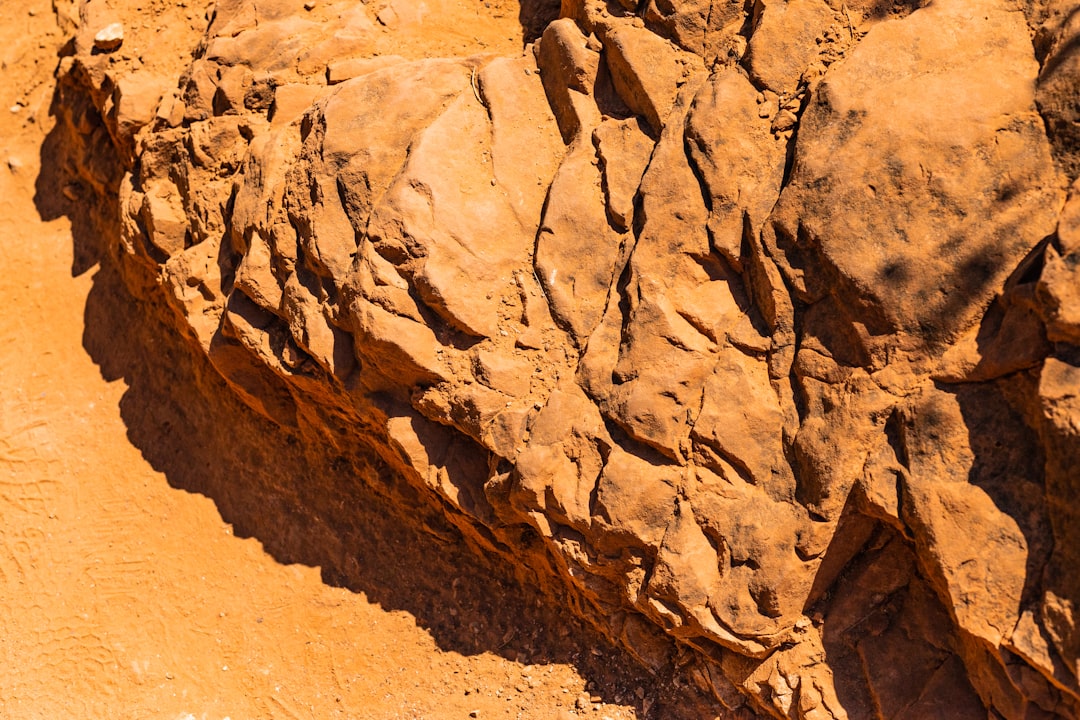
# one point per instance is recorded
(109, 38)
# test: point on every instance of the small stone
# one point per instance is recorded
(784, 120)
(310, 5)
(14, 164)
(109, 38)
(474, 714)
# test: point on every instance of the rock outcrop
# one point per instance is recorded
(757, 329)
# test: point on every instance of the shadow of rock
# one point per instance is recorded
(888, 638)
(342, 512)
(1008, 464)
(535, 15)
(78, 171)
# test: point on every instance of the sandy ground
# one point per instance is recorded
(124, 593)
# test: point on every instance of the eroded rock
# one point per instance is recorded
(761, 322)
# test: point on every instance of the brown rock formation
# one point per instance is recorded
(757, 326)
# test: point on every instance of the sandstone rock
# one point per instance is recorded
(525, 148)
(623, 148)
(701, 27)
(1058, 400)
(342, 70)
(741, 422)
(109, 38)
(927, 273)
(742, 165)
(365, 147)
(577, 251)
(1056, 290)
(649, 361)
(558, 472)
(635, 497)
(568, 68)
(449, 227)
(292, 101)
(136, 100)
(988, 569)
(164, 218)
(770, 357)
(785, 41)
(1056, 39)
(647, 71)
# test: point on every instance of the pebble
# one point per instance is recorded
(784, 120)
(310, 5)
(109, 38)
(14, 164)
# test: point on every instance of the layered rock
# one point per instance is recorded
(757, 327)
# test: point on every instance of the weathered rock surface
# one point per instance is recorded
(758, 329)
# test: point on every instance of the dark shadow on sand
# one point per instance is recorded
(341, 512)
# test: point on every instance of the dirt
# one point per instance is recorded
(123, 590)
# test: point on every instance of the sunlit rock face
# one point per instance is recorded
(756, 327)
